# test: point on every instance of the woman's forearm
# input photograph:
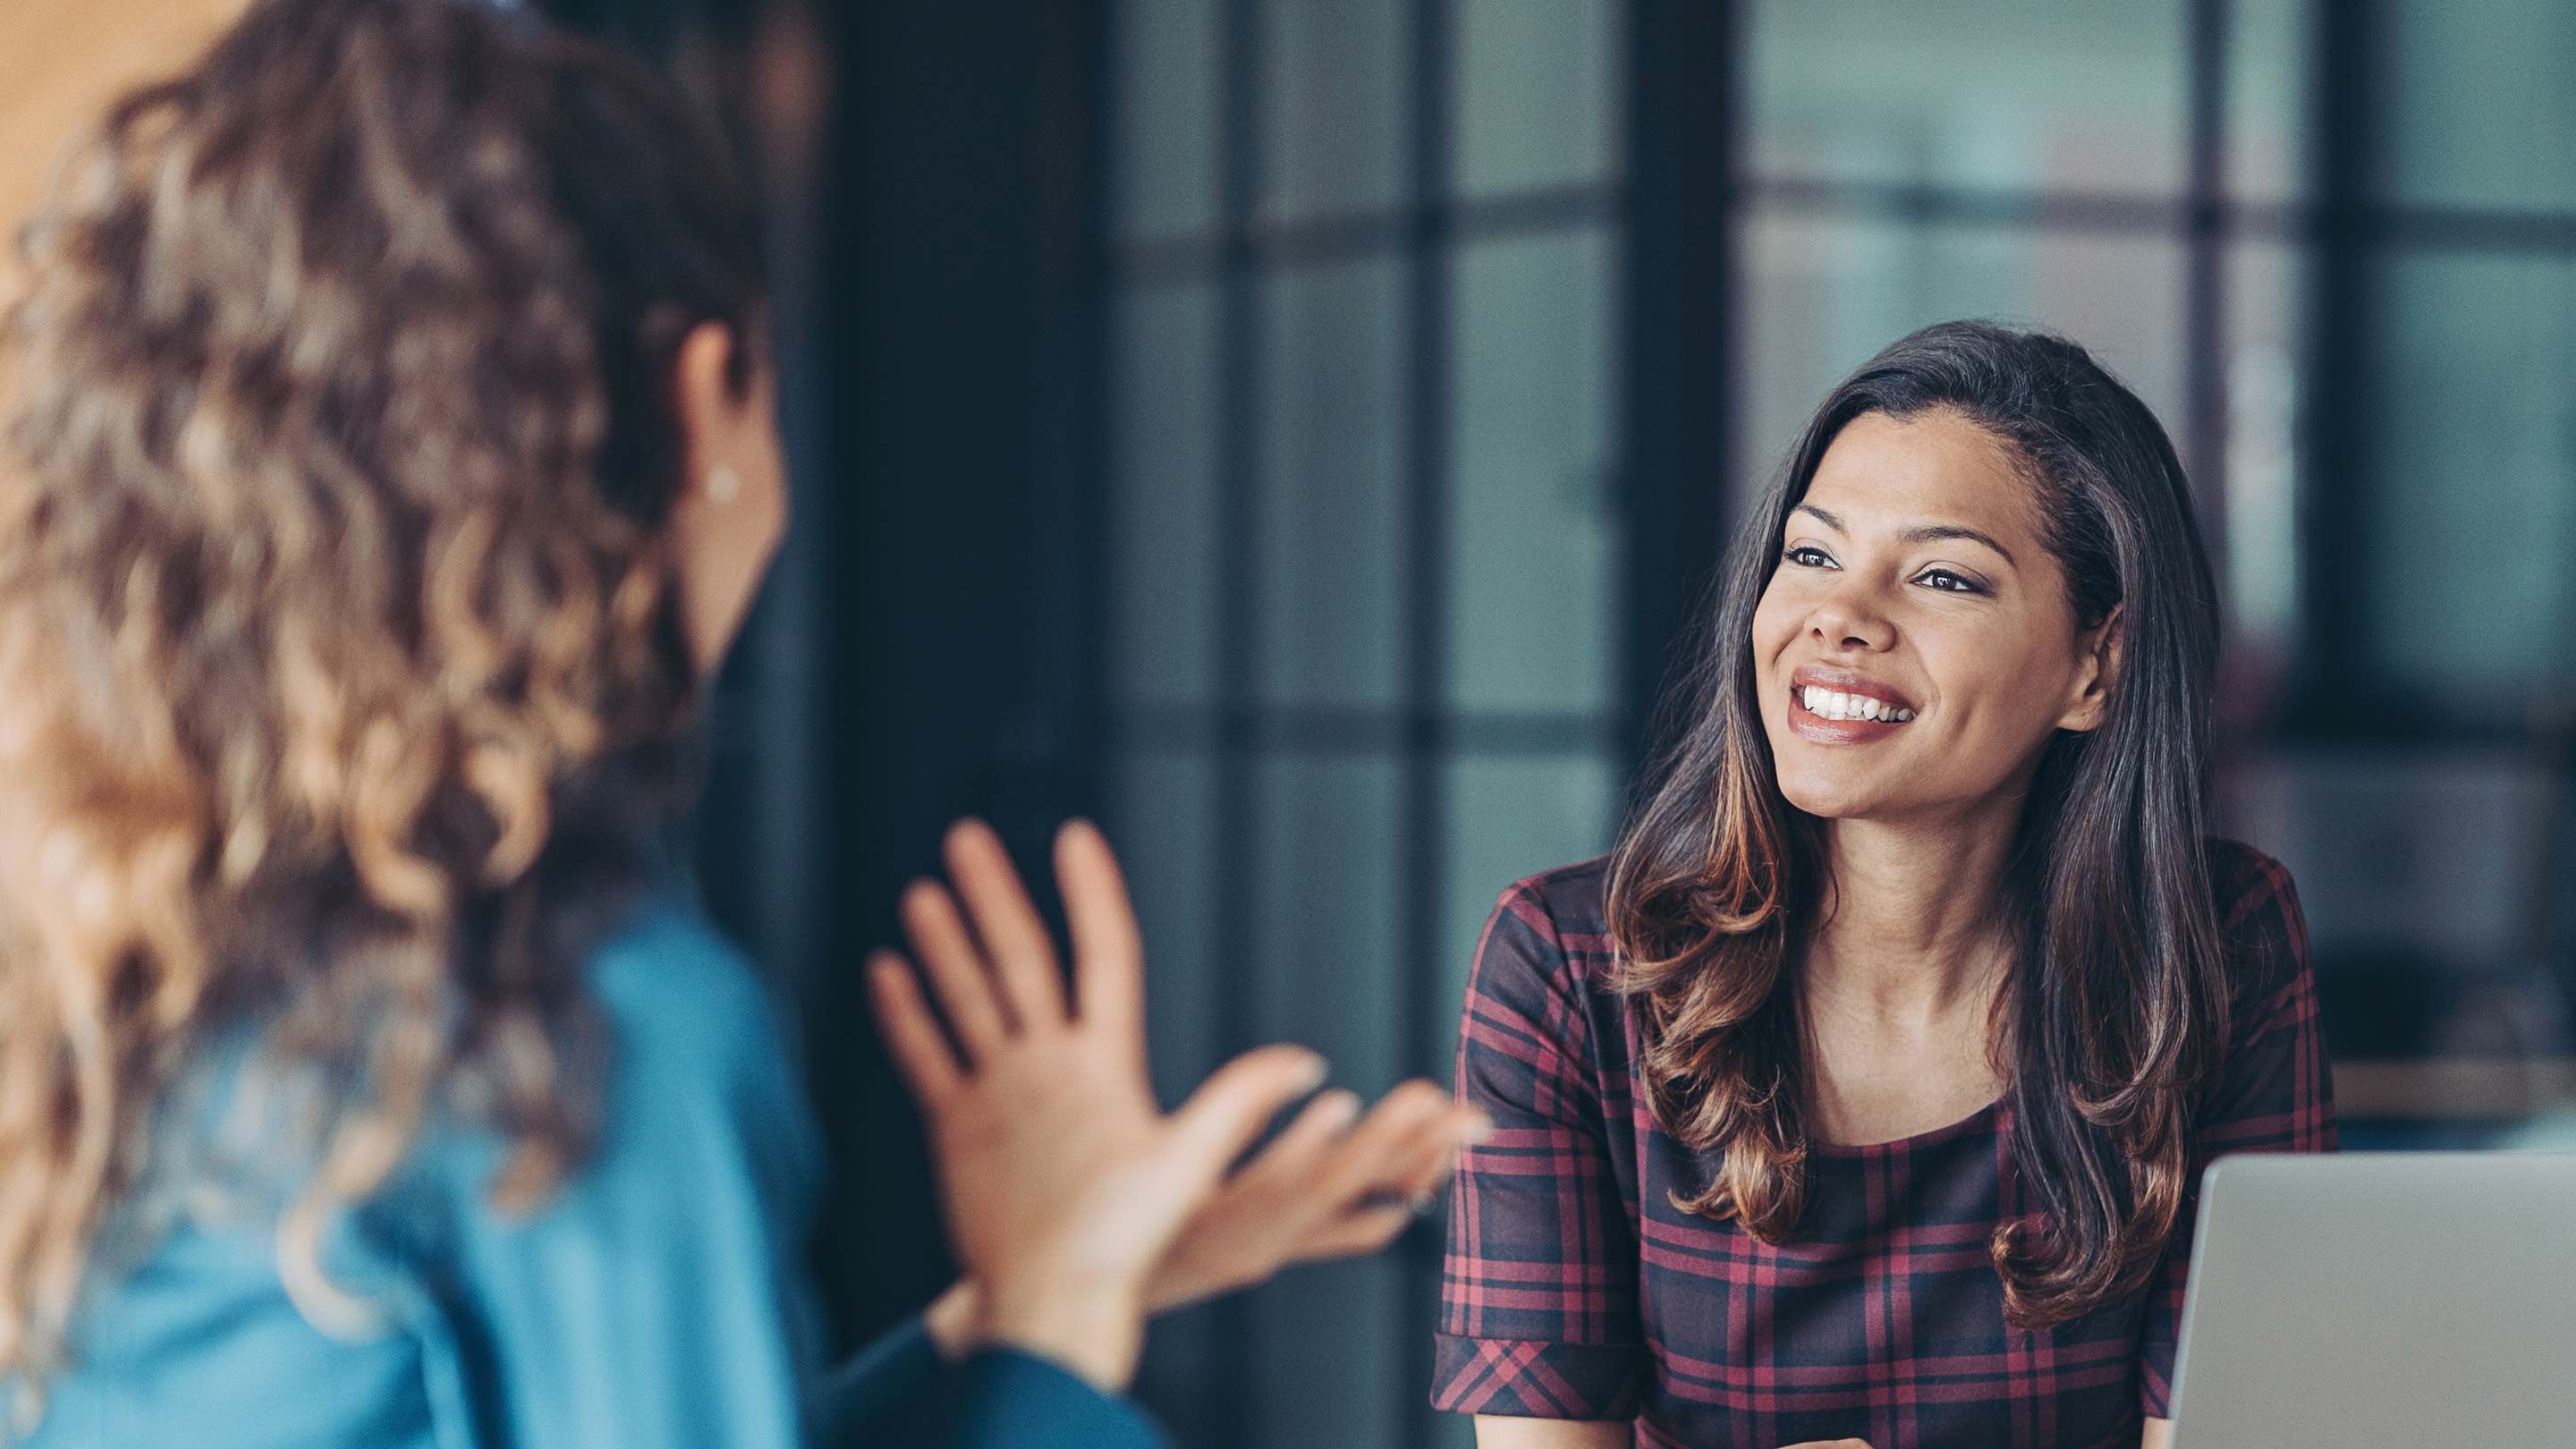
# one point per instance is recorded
(1497, 1432)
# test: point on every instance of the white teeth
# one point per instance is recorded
(1835, 704)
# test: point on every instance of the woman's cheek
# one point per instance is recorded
(1775, 622)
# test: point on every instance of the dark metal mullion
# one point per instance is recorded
(1311, 730)
(1679, 344)
(1422, 841)
(2204, 321)
(1237, 877)
(1327, 241)
(2332, 488)
(1338, 237)
(2433, 228)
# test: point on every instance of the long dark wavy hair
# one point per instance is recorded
(2115, 1010)
(341, 687)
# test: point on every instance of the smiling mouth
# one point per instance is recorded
(1835, 704)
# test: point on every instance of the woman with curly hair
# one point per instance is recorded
(1861, 1093)
(393, 463)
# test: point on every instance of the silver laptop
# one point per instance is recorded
(2381, 1299)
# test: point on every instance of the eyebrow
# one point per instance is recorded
(1920, 533)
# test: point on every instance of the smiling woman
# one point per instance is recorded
(1860, 1093)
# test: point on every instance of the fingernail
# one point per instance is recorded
(1313, 1073)
(1341, 1108)
(1423, 1203)
(1480, 1130)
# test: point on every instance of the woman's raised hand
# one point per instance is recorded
(1064, 1183)
(1323, 1188)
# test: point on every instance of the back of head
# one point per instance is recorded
(339, 679)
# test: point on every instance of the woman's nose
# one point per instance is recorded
(1850, 618)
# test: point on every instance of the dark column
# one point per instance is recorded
(1683, 139)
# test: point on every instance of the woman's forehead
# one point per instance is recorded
(1883, 473)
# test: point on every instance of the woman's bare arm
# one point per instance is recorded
(2159, 1435)
(1494, 1431)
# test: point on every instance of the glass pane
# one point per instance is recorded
(1538, 94)
(1163, 495)
(1167, 58)
(1161, 816)
(1332, 484)
(2266, 287)
(1333, 111)
(2084, 94)
(2271, 71)
(1532, 523)
(1323, 958)
(1822, 297)
(1330, 1340)
(2463, 589)
(1510, 817)
(2477, 103)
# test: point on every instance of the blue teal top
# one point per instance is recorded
(656, 1301)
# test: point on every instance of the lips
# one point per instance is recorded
(1844, 707)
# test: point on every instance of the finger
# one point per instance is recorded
(1386, 1143)
(1221, 1119)
(912, 1034)
(1456, 1129)
(1356, 1233)
(1294, 1155)
(1431, 1157)
(955, 967)
(1108, 954)
(1022, 954)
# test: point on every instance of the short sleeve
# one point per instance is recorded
(657, 1299)
(2275, 1093)
(1539, 1297)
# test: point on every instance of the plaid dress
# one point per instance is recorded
(1575, 1289)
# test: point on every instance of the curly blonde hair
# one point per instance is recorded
(341, 688)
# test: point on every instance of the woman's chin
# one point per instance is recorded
(1833, 794)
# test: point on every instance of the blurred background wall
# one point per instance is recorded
(1295, 430)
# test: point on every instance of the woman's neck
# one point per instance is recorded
(1912, 929)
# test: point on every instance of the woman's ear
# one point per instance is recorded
(732, 506)
(2097, 673)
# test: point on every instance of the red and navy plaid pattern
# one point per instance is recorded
(1883, 1320)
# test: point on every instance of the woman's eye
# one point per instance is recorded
(1949, 583)
(1808, 556)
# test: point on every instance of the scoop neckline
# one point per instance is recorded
(1933, 1138)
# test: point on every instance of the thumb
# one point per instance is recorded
(1224, 1116)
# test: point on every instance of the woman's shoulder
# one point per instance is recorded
(2260, 923)
(2244, 880)
(671, 984)
(698, 1078)
(1556, 922)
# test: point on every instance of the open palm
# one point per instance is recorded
(1063, 1182)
